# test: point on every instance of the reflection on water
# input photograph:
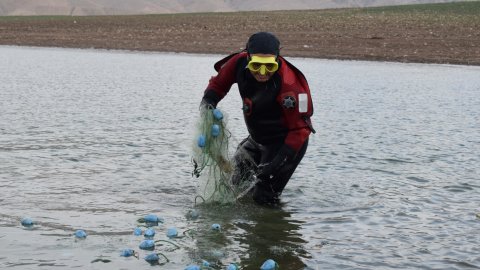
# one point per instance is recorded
(94, 140)
(256, 234)
(273, 234)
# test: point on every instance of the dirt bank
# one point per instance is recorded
(443, 33)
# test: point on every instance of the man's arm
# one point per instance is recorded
(220, 84)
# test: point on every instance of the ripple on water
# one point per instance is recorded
(418, 179)
(459, 188)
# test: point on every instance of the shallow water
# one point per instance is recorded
(95, 140)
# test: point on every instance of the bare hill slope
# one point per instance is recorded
(124, 7)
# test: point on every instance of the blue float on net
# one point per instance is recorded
(215, 130)
(269, 265)
(127, 252)
(217, 114)
(27, 222)
(137, 231)
(149, 233)
(147, 245)
(205, 263)
(233, 266)
(152, 219)
(216, 227)
(152, 258)
(80, 234)
(201, 141)
(192, 267)
(172, 232)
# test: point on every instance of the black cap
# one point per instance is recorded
(263, 42)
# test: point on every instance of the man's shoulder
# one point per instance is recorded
(231, 59)
(290, 74)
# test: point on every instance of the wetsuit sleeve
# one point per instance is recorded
(299, 125)
(220, 84)
(296, 138)
(296, 119)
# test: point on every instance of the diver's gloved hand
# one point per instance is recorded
(268, 170)
(207, 104)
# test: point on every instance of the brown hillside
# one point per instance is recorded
(406, 35)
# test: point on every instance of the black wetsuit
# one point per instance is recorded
(271, 112)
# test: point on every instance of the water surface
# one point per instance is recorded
(95, 140)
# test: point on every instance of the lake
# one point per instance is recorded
(96, 140)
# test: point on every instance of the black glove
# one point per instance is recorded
(207, 104)
(269, 169)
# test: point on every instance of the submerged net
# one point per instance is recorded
(212, 160)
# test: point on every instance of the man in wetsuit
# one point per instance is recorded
(276, 106)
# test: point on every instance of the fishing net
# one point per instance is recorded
(213, 162)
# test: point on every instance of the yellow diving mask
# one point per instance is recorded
(262, 64)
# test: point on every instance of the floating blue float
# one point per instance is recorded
(192, 214)
(152, 258)
(147, 245)
(215, 130)
(172, 232)
(269, 265)
(149, 233)
(217, 114)
(127, 252)
(192, 267)
(137, 231)
(201, 141)
(80, 234)
(27, 222)
(151, 220)
(216, 227)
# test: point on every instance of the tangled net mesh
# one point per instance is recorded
(213, 162)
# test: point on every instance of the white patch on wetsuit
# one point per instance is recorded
(302, 103)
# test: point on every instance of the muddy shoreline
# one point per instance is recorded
(422, 36)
